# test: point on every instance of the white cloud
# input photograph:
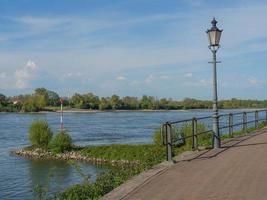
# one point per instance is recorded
(31, 65)
(254, 81)
(78, 74)
(188, 75)
(149, 79)
(72, 75)
(120, 78)
(24, 75)
(69, 74)
(204, 82)
(40, 23)
(196, 82)
(165, 77)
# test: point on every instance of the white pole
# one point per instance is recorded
(61, 117)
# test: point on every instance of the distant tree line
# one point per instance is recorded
(43, 99)
(38, 101)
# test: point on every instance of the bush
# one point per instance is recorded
(104, 183)
(40, 134)
(159, 135)
(79, 192)
(61, 142)
(185, 130)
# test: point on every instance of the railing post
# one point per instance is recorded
(244, 121)
(230, 125)
(163, 134)
(168, 141)
(194, 134)
(256, 119)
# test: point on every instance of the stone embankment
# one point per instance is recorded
(40, 154)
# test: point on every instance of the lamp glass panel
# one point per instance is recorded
(209, 38)
(212, 35)
(218, 36)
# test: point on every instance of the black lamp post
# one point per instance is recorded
(214, 35)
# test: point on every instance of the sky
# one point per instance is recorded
(133, 47)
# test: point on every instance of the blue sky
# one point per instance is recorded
(132, 47)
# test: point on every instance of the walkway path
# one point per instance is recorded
(238, 171)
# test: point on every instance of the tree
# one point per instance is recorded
(39, 102)
(163, 103)
(115, 102)
(53, 98)
(131, 103)
(40, 134)
(33, 103)
(77, 101)
(3, 100)
(144, 103)
(105, 103)
(91, 101)
(42, 91)
(148, 102)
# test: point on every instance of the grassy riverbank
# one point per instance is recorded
(116, 155)
(144, 156)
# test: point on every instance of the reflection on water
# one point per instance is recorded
(50, 174)
(54, 174)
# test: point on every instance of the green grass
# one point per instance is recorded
(245, 132)
(143, 153)
(104, 183)
(146, 154)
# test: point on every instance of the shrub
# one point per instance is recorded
(104, 183)
(159, 135)
(61, 142)
(185, 130)
(40, 134)
(79, 192)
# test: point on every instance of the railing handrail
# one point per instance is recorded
(169, 142)
(210, 116)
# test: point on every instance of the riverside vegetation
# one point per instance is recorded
(144, 155)
(47, 100)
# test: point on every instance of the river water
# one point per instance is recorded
(19, 176)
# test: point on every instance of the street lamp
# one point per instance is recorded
(214, 35)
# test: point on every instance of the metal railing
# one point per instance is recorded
(228, 124)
